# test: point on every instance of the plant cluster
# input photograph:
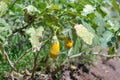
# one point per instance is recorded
(47, 32)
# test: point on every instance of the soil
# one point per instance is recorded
(103, 70)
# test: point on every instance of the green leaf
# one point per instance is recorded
(105, 10)
(2, 39)
(115, 6)
(50, 19)
(3, 8)
(100, 11)
(88, 26)
(54, 7)
(72, 13)
(4, 23)
(100, 22)
(111, 52)
(42, 5)
(1, 48)
(76, 46)
(87, 10)
(114, 25)
(74, 36)
(106, 37)
(31, 10)
(84, 34)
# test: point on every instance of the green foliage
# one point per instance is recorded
(25, 24)
(106, 37)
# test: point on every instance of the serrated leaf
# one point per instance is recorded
(84, 34)
(106, 37)
(87, 10)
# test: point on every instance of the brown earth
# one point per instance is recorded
(103, 70)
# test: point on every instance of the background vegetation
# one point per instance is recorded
(27, 28)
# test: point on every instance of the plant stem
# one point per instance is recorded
(11, 73)
(76, 55)
(22, 56)
(33, 70)
(9, 61)
(35, 63)
(11, 65)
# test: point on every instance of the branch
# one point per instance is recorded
(69, 56)
(22, 56)
(20, 29)
(35, 61)
(9, 61)
(41, 44)
(11, 65)
(76, 55)
(105, 55)
(69, 52)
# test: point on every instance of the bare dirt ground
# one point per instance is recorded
(103, 70)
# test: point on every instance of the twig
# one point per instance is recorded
(69, 52)
(73, 56)
(9, 61)
(76, 55)
(11, 65)
(35, 61)
(11, 74)
(70, 22)
(34, 66)
(22, 56)
(18, 30)
(105, 55)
